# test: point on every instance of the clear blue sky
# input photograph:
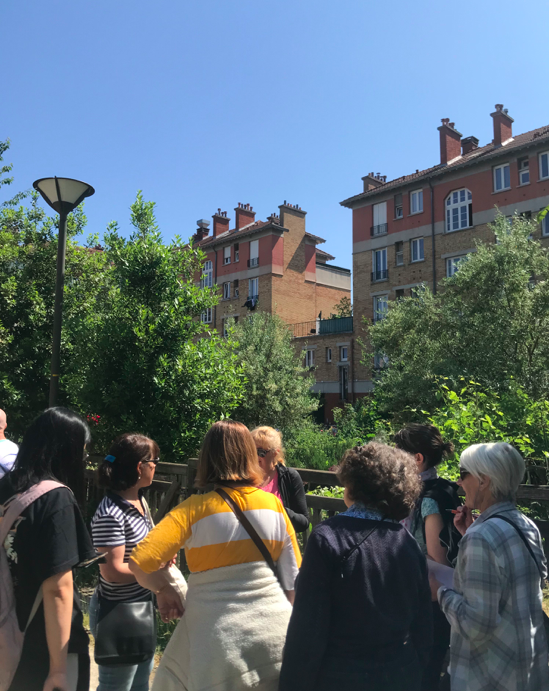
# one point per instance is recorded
(209, 103)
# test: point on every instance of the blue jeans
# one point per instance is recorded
(120, 677)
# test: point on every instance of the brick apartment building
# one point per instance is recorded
(275, 265)
(417, 228)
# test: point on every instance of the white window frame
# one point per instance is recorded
(227, 291)
(399, 209)
(545, 227)
(452, 264)
(543, 155)
(236, 252)
(399, 254)
(309, 358)
(254, 253)
(503, 170)
(379, 218)
(343, 353)
(328, 354)
(524, 171)
(206, 316)
(459, 201)
(251, 283)
(227, 255)
(381, 307)
(416, 202)
(417, 249)
(382, 264)
(206, 280)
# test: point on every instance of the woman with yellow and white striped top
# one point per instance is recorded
(236, 612)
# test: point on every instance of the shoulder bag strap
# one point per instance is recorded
(522, 537)
(248, 527)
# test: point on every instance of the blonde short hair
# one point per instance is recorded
(228, 454)
(499, 461)
(272, 438)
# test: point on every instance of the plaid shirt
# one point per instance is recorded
(495, 608)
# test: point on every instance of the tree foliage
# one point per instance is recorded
(488, 323)
(277, 389)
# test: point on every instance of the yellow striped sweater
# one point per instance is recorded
(212, 535)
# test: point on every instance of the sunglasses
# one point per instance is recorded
(156, 461)
(263, 452)
(463, 474)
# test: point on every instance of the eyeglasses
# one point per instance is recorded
(263, 452)
(463, 474)
(156, 461)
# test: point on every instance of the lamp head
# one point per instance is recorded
(63, 194)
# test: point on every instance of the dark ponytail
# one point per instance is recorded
(118, 471)
(426, 440)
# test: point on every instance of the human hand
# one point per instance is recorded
(170, 562)
(169, 604)
(463, 519)
(56, 681)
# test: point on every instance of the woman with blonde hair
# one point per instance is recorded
(285, 483)
(236, 609)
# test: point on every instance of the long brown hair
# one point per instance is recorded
(228, 454)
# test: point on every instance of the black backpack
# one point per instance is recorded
(445, 493)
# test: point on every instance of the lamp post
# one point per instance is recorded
(63, 195)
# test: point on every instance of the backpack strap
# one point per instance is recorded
(522, 537)
(22, 501)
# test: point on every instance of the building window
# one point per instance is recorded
(545, 226)
(502, 177)
(343, 353)
(226, 291)
(253, 288)
(225, 328)
(328, 354)
(207, 275)
(416, 250)
(398, 206)
(309, 358)
(226, 255)
(416, 202)
(524, 171)
(381, 306)
(544, 165)
(343, 383)
(452, 264)
(399, 293)
(236, 252)
(254, 253)
(206, 316)
(380, 361)
(399, 253)
(236, 290)
(459, 210)
(379, 263)
(380, 219)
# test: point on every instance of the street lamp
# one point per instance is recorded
(63, 195)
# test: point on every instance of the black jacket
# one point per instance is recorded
(292, 492)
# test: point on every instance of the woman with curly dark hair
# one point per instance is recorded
(362, 613)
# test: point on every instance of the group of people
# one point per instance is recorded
(370, 606)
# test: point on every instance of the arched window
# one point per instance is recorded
(207, 273)
(459, 210)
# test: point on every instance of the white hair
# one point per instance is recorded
(499, 461)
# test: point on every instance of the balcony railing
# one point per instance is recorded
(323, 326)
(380, 275)
(254, 261)
(380, 229)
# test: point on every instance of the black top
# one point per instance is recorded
(292, 492)
(51, 538)
(356, 603)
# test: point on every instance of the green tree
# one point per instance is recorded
(278, 386)
(344, 308)
(148, 364)
(488, 323)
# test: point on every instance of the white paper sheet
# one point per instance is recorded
(443, 574)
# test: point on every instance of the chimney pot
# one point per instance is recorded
(244, 215)
(468, 144)
(503, 125)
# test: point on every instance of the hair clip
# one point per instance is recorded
(110, 459)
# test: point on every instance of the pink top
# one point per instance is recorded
(272, 486)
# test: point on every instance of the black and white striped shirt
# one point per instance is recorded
(117, 522)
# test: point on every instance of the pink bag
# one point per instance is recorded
(11, 638)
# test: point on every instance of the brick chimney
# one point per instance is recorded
(202, 231)
(221, 222)
(503, 125)
(468, 144)
(450, 141)
(244, 215)
(373, 180)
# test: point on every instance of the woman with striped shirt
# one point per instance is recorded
(121, 521)
(236, 611)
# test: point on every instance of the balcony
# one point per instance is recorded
(254, 261)
(380, 275)
(380, 229)
(323, 326)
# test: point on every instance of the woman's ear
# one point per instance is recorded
(419, 458)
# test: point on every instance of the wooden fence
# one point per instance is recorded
(174, 482)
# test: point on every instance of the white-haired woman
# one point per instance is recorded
(498, 639)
